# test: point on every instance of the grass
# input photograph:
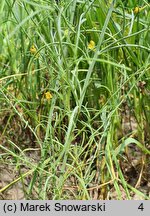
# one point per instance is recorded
(75, 92)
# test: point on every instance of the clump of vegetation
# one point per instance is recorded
(75, 99)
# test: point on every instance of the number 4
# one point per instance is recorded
(141, 207)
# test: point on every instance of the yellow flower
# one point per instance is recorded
(137, 10)
(66, 32)
(33, 49)
(48, 96)
(102, 100)
(91, 45)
